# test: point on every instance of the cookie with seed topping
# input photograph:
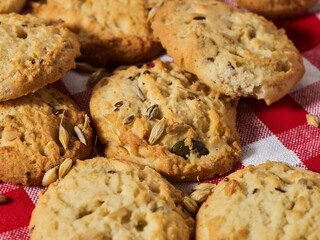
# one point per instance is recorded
(269, 201)
(163, 117)
(235, 52)
(110, 31)
(37, 132)
(102, 198)
(275, 9)
(9, 6)
(33, 53)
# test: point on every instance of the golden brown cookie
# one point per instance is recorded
(269, 201)
(237, 53)
(113, 31)
(102, 198)
(277, 8)
(8, 6)
(33, 53)
(37, 132)
(162, 117)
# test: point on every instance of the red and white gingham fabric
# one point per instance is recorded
(278, 132)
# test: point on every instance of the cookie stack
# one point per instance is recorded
(37, 122)
(158, 121)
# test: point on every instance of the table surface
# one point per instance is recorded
(278, 132)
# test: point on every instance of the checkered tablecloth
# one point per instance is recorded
(278, 132)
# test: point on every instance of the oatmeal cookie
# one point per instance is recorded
(237, 53)
(30, 138)
(269, 201)
(277, 8)
(163, 117)
(102, 198)
(113, 31)
(33, 53)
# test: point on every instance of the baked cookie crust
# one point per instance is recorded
(9, 6)
(269, 201)
(110, 199)
(114, 31)
(275, 9)
(163, 117)
(29, 135)
(33, 53)
(237, 53)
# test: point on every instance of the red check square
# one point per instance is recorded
(304, 32)
(280, 116)
(17, 212)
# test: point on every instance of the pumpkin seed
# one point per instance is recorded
(199, 147)
(157, 131)
(182, 150)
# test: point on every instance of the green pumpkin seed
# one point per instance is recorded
(182, 150)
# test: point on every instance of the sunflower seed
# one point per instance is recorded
(85, 122)
(3, 199)
(50, 176)
(63, 137)
(51, 149)
(177, 128)
(128, 120)
(312, 120)
(200, 195)
(80, 135)
(10, 135)
(140, 93)
(190, 205)
(157, 131)
(65, 167)
(152, 111)
(96, 77)
(191, 91)
(204, 186)
(85, 67)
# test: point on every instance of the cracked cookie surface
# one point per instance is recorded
(163, 117)
(113, 31)
(102, 198)
(277, 8)
(9, 6)
(33, 53)
(29, 135)
(269, 201)
(234, 52)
